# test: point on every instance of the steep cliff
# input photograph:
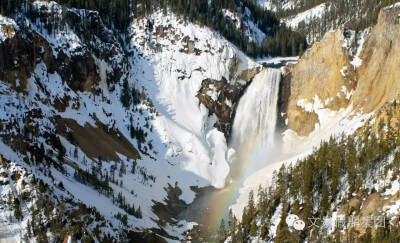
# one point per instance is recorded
(317, 77)
(344, 68)
(379, 75)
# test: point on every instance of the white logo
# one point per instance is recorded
(299, 224)
(293, 220)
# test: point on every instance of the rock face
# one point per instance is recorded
(379, 74)
(75, 61)
(221, 97)
(318, 73)
(326, 75)
(20, 59)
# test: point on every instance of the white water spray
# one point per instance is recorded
(252, 141)
(256, 114)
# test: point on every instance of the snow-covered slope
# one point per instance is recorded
(315, 18)
(306, 16)
(275, 5)
(243, 21)
(165, 138)
(178, 70)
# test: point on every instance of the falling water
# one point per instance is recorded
(256, 114)
(252, 138)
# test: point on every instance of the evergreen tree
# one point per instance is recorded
(324, 200)
(221, 232)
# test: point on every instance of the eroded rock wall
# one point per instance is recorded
(328, 77)
(317, 74)
(379, 74)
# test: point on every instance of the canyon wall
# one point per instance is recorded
(332, 75)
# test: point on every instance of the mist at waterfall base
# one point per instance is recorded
(253, 138)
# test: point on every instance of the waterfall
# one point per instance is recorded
(256, 113)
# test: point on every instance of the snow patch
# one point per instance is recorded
(395, 187)
(275, 219)
(8, 27)
(306, 16)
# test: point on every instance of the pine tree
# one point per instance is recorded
(126, 95)
(283, 235)
(335, 174)
(324, 200)
(221, 232)
(253, 228)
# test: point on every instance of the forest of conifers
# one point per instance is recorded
(281, 41)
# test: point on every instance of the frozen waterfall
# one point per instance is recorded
(256, 113)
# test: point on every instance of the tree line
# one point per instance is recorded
(323, 182)
(280, 41)
(356, 15)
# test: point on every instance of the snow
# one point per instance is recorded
(183, 123)
(216, 141)
(213, 92)
(267, 4)
(306, 16)
(190, 151)
(331, 123)
(252, 31)
(275, 219)
(62, 39)
(48, 7)
(12, 230)
(396, 5)
(256, 35)
(357, 62)
(347, 93)
(278, 60)
(294, 147)
(8, 27)
(228, 103)
(343, 71)
(392, 209)
(272, 6)
(232, 16)
(395, 187)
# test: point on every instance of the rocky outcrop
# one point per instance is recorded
(221, 97)
(379, 74)
(326, 70)
(249, 74)
(80, 71)
(218, 96)
(18, 57)
(21, 54)
(7, 29)
(82, 67)
(318, 73)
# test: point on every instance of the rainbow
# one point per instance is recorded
(253, 133)
(251, 156)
